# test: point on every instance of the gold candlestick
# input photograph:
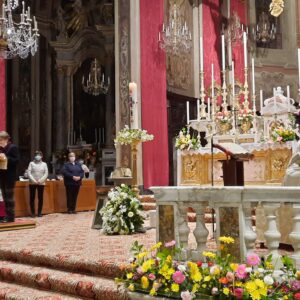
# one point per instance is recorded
(246, 91)
(224, 91)
(134, 152)
(203, 114)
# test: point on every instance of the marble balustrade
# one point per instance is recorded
(233, 207)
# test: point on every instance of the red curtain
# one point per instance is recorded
(153, 91)
(2, 110)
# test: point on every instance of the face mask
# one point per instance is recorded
(72, 159)
(38, 158)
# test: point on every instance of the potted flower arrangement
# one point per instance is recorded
(122, 212)
(223, 119)
(282, 135)
(129, 136)
(184, 141)
(245, 118)
(155, 271)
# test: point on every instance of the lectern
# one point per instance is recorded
(233, 165)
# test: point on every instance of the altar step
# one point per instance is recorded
(56, 284)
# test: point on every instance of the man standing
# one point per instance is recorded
(9, 158)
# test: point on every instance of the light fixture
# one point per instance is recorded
(95, 83)
(175, 37)
(235, 29)
(265, 32)
(17, 39)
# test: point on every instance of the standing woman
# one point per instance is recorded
(38, 174)
(73, 174)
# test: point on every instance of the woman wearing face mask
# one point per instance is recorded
(37, 174)
(73, 174)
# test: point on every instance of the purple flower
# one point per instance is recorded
(295, 285)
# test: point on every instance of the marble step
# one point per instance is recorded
(69, 283)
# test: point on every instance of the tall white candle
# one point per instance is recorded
(223, 52)
(233, 82)
(261, 98)
(208, 108)
(201, 54)
(253, 77)
(133, 94)
(188, 112)
(299, 65)
(245, 50)
(288, 93)
(212, 81)
(198, 109)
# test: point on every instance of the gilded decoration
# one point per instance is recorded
(191, 169)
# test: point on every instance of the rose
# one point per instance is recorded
(230, 276)
(186, 295)
(268, 280)
(178, 277)
(238, 293)
(151, 276)
(297, 296)
(253, 259)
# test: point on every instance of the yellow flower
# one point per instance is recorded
(144, 282)
(129, 275)
(195, 273)
(226, 239)
(207, 278)
(175, 287)
(256, 289)
(209, 254)
(195, 288)
(131, 287)
(152, 292)
(204, 286)
(238, 284)
(142, 255)
(269, 265)
(234, 267)
(166, 271)
(147, 265)
(298, 274)
(156, 246)
(226, 291)
(169, 259)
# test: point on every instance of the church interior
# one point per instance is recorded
(149, 149)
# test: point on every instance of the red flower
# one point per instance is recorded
(297, 296)
(199, 264)
(210, 263)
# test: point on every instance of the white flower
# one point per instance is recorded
(261, 270)
(186, 295)
(268, 280)
(248, 270)
(130, 214)
(181, 268)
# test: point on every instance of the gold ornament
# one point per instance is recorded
(276, 7)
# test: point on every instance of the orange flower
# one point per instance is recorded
(223, 280)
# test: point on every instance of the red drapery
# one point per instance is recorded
(2, 110)
(153, 91)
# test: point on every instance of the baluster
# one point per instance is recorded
(249, 234)
(200, 232)
(183, 229)
(295, 234)
(272, 234)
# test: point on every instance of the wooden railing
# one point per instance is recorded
(241, 200)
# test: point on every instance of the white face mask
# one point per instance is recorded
(38, 158)
(72, 159)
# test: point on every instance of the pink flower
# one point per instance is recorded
(253, 259)
(178, 277)
(186, 295)
(279, 139)
(230, 276)
(214, 291)
(151, 276)
(170, 244)
(241, 272)
(238, 293)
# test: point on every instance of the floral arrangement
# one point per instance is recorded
(184, 141)
(276, 7)
(223, 117)
(245, 115)
(155, 271)
(122, 213)
(282, 135)
(128, 136)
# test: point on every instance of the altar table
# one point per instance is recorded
(267, 167)
(54, 197)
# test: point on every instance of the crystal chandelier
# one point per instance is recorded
(265, 31)
(235, 29)
(95, 84)
(175, 37)
(17, 39)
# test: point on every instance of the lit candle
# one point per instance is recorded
(208, 107)
(212, 81)
(261, 100)
(198, 109)
(188, 112)
(253, 77)
(288, 97)
(245, 49)
(233, 83)
(223, 52)
(201, 54)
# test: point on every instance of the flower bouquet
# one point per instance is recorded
(122, 213)
(245, 115)
(282, 135)
(223, 120)
(129, 136)
(156, 271)
(184, 141)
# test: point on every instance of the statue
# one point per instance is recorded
(292, 174)
(60, 25)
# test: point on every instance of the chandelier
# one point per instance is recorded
(235, 29)
(95, 84)
(17, 39)
(265, 31)
(175, 37)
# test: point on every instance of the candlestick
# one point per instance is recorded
(288, 97)
(233, 84)
(201, 54)
(188, 112)
(253, 77)
(261, 100)
(202, 97)
(198, 109)
(223, 52)
(224, 92)
(245, 49)
(246, 91)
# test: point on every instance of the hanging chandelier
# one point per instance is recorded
(95, 84)
(265, 32)
(175, 37)
(17, 39)
(235, 29)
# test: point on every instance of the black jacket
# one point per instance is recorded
(69, 170)
(9, 176)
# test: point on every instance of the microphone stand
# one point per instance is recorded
(212, 181)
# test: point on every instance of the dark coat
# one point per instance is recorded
(8, 177)
(69, 170)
